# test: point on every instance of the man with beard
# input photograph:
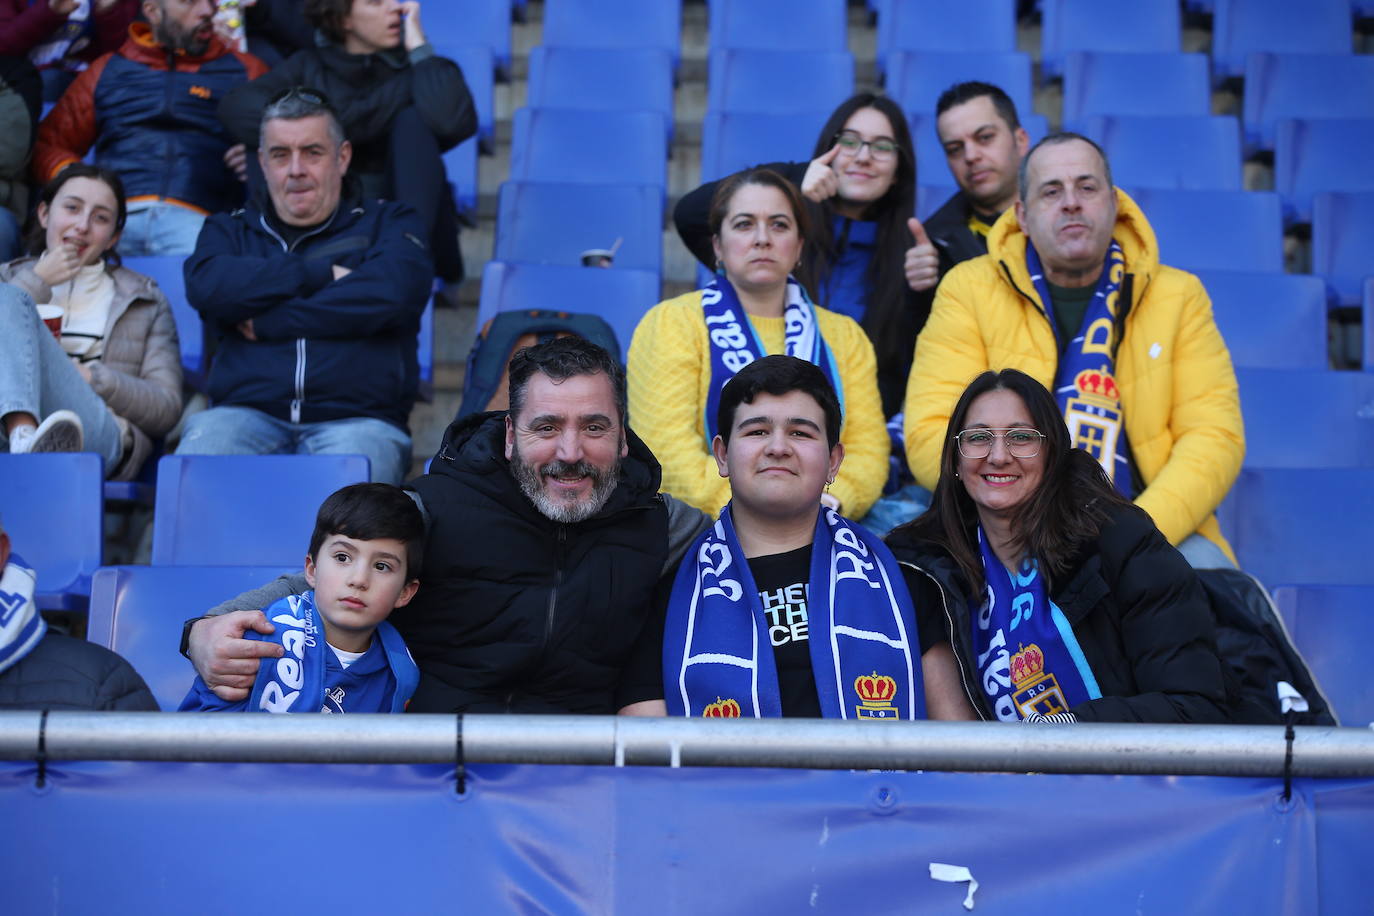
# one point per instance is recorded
(547, 535)
(150, 110)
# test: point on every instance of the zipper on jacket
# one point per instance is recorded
(557, 581)
(958, 659)
(169, 157)
(299, 399)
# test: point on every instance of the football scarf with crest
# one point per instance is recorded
(1085, 385)
(1029, 661)
(734, 344)
(717, 656)
(21, 626)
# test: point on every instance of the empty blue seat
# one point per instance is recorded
(932, 166)
(554, 222)
(618, 295)
(1216, 230)
(1105, 25)
(1302, 526)
(52, 507)
(614, 24)
(1321, 155)
(947, 26)
(424, 351)
(167, 271)
(460, 167)
(486, 24)
(780, 25)
(1189, 152)
(749, 79)
(732, 141)
(1342, 243)
(1326, 621)
(1282, 86)
(1270, 321)
(915, 79)
(562, 144)
(602, 79)
(1243, 27)
(1308, 418)
(479, 67)
(243, 510)
(1367, 322)
(1113, 83)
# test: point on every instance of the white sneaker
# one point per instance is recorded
(60, 432)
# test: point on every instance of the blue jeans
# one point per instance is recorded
(37, 377)
(244, 431)
(1203, 554)
(159, 228)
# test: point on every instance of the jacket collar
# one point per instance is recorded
(143, 48)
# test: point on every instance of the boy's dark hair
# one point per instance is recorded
(561, 359)
(368, 511)
(778, 375)
(960, 93)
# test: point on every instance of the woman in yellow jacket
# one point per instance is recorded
(686, 349)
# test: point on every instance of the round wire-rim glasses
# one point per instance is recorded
(1020, 441)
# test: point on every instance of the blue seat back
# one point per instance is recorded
(486, 24)
(915, 79)
(1368, 324)
(569, 145)
(1311, 156)
(460, 168)
(946, 27)
(243, 510)
(747, 79)
(1342, 242)
(732, 141)
(1307, 418)
(1242, 27)
(1280, 86)
(1110, 83)
(782, 25)
(167, 271)
(1326, 622)
(602, 79)
(138, 611)
(1186, 152)
(553, 223)
(1270, 321)
(1216, 230)
(614, 24)
(52, 506)
(1105, 25)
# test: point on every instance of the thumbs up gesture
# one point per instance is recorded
(820, 181)
(922, 260)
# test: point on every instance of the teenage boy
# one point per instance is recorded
(780, 570)
(339, 652)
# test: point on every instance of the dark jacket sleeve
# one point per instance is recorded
(692, 215)
(441, 96)
(22, 28)
(240, 110)
(123, 690)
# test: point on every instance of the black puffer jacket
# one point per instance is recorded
(65, 673)
(949, 233)
(1139, 613)
(518, 613)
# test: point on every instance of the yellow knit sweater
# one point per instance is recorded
(670, 377)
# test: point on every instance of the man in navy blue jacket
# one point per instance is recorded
(317, 300)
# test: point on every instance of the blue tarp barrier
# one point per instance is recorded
(294, 838)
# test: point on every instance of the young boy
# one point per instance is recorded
(340, 654)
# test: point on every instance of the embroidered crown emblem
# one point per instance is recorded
(1097, 385)
(721, 709)
(877, 692)
(1027, 665)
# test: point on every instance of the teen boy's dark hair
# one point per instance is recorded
(778, 375)
(368, 511)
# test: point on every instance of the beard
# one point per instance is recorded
(173, 36)
(569, 509)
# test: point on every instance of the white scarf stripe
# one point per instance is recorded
(716, 658)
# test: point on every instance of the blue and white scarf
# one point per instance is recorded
(1085, 385)
(296, 681)
(1029, 661)
(21, 626)
(718, 660)
(734, 344)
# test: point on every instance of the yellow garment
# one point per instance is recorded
(670, 378)
(1178, 389)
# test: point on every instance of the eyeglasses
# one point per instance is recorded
(851, 143)
(305, 94)
(1020, 442)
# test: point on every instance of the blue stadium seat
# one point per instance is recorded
(1110, 83)
(731, 141)
(167, 271)
(1270, 321)
(1280, 86)
(619, 296)
(424, 351)
(138, 611)
(749, 79)
(479, 66)
(460, 167)
(1105, 25)
(1188, 152)
(1302, 526)
(931, 164)
(614, 24)
(915, 79)
(562, 144)
(946, 25)
(484, 23)
(553, 223)
(779, 25)
(1342, 242)
(243, 510)
(52, 507)
(1367, 322)
(1243, 27)
(1307, 418)
(1216, 230)
(1325, 623)
(1313, 156)
(604, 79)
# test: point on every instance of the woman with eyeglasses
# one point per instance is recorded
(1065, 602)
(687, 348)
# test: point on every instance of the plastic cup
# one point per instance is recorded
(52, 317)
(598, 257)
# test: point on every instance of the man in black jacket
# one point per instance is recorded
(984, 143)
(317, 300)
(547, 535)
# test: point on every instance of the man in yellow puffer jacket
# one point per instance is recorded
(1168, 365)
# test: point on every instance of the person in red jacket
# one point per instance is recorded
(62, 36)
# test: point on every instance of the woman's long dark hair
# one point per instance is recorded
(38, 236)
(888, 295)
(1066, 510)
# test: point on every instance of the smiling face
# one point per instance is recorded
(1069, 211)
(303, 167)
(357, 584)
(83, 216)
(1000, 482)
(758, 243)
(778, 461)
(982, 152)
(864, 177)
(372, 26)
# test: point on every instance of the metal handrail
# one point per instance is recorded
(1216, 750)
